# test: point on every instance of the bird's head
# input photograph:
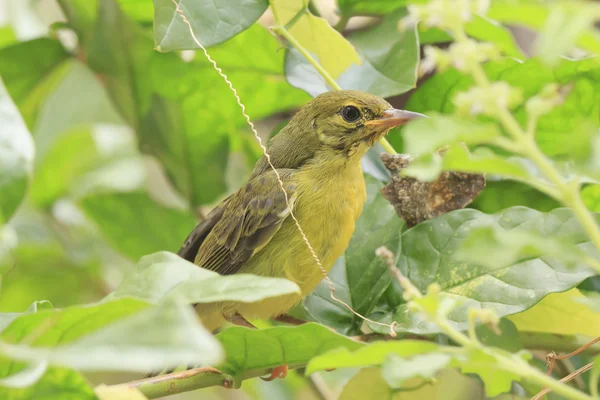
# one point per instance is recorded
(334, 125)
(345, 120)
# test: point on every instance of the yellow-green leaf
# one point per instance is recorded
(315, 34)
(561, 314)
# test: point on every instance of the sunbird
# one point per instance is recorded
(317, 156)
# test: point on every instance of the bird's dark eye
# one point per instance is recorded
(350, 114)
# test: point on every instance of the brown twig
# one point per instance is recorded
(567, 378)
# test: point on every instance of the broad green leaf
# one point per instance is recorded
(359, 276)
(506, 339)
(166, 336)
(578, 113)
(7, 318)
(31, 70)
(98, 337)
(252, 349)
(565, 24)
(560, 314)
(534, 14)
(57, 383)
(501, 194)
(313, 33)
(43, 266)
(396, 370)
(372, 354)
(427, 135)
(389, 63)
(164, 274)
(78, 102)
(137, 225)
(16, 156)
(212, 22)
(429, 255)
(494, 247)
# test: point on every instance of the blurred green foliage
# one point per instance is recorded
(117, 135)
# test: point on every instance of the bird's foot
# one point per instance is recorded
(277, 372)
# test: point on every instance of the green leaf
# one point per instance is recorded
(65, 109)
(560, 314)
(7, 36)
(396, 370)
(427, 135)
(183, 112)
(7, 318)
(501, 194)
(72, 155)
(42, 265)
(388, 68)
(137, 225)
(533, 15)
(580, 112)
(295, 16)
(496, 379)
(408, 358)
(166, 337)
(16, 156)
(249, 349)
(494, 247)
(163, 274)
(507, 339)
(372, 354)
(429, 255)
(140, 10)
(482, 29)
(31, 70)
(57, 383)
(212, 22)
(591, 197)
(565, 24)
(359, 276)
(379, 7)
(482, 160)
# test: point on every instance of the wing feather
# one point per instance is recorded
(241, 225)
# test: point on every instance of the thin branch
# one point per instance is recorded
(566, 379)
(197, 378)
(320, 388)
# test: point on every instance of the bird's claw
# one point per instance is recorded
(277, 372)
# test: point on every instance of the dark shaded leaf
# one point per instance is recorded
(137, 225)
(16, 156)
(428, 256)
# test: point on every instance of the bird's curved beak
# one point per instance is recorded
(392, 118)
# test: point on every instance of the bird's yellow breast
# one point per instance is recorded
(330, 198)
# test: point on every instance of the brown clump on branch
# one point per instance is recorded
(416, 201)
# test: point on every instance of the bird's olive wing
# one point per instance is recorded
(241, 225)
